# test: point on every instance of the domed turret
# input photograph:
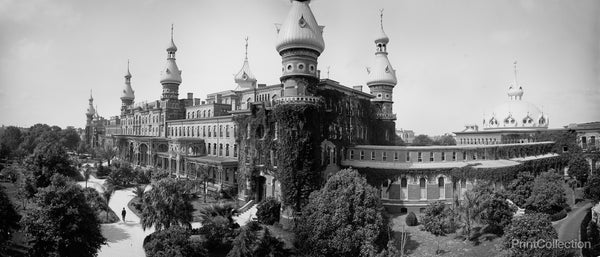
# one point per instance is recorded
(381, 77)
(516, 113)
(127, 93)
(244, 78)
(300, 29)
(90, 110)
(171, 73)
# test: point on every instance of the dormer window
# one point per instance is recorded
(542, 121)
(509, 120)
(527, 120)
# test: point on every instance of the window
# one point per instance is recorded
(209, 133)
(404, 188)
(431, 156)
(474, 156)
(227, 150)
(443, 156)
(372, 155)
(234, 150)
(464, 155)
(220, 149)
(584, 142)
(226, 174)
(419, 157)
(362, 154)
(215, 130)
(407, 156)
(384, 156)
(227, 130)
(396, 156)
(423, 187)
(453, 156)
(208, 147)
(221, 131)
(215, 149)
(442, 187)
(351, 154)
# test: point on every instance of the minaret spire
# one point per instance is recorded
(246, 54)
(515, 67)
(381, 17)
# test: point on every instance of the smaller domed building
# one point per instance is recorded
(514, 121)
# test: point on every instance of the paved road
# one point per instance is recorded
(568, 228)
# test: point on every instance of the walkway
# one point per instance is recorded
(568, 228)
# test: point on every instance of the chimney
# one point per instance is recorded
(190, 96)
(358, 88)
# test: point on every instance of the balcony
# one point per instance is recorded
(297, 100)
(386, 116)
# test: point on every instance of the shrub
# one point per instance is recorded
(411, 219)
(141, 177)
(217, 232)
(559, 215)
(102, 171)
(268, 211)
(174, 241)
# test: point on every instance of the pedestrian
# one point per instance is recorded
(123, 213)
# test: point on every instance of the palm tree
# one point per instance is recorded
(86, 174)
(226, 210)
(167, 204)
(468, 209)
(139, 191)
(202, 176)
(107, 195)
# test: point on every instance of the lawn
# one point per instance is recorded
(422, 243)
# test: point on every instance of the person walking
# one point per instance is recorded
(123, 213)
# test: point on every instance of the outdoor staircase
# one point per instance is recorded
(246, 213)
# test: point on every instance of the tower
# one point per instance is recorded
(244, 78)
(89, 122)
(299, 42)
(381, 81)
(170, 80)
(171, 75)
(127, 96)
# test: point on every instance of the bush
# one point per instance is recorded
(218, 233)
(268, 211)
(121, 177)
(174, 241)
(102, 171)
(141, 177)
(411, 219)
(559, 215)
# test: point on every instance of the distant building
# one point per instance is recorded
(514, 121)
(588, 136)
(407, 136)
(237, 137)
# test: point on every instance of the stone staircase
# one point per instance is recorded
(247, 213)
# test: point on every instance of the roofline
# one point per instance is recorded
(448, 147)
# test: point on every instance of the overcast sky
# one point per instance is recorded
(454, 59)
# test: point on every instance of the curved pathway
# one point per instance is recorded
(568, 228)
(123, 238)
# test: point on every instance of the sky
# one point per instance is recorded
(453, 58)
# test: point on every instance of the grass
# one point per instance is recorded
(422, 243)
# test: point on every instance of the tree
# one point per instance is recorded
(48, 159)
(445, 140)
(435, 220)
(174, 241)
(547, 195)
(519, 190)
(527, 230)
(468, 210)
(86, 174)
(62, 223)
(107, 194)
(11, 138)
(106, 153)
(592, 188)
(122, 177)
(268, 211)
(250, 243)
(70, 138)
(201, 173)
(166, 204)
(422, 140)
(243, 244)
(495, 212)
(342, 217)
(579, 168)
(9, 217)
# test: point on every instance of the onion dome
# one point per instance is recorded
(300, 29)
(381, 73)
(90, 110)
(171, 73)
(516, 113)
(244, 78)
(127, 93)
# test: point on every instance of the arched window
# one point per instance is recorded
(227, 150)
(214, 149)
(423, 187)
(208, 113)
(227, 130)
(404, 188)
(442, 187)
(208, 147)
(203, 113)
(220, 149)
(221, 131)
